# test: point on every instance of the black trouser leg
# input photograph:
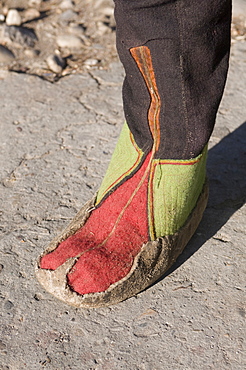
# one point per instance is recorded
(189, 43)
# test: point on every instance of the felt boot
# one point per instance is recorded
(155, 190)
(136, 231)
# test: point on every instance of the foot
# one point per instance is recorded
(138, 201)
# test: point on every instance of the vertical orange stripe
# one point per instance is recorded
(142, 57)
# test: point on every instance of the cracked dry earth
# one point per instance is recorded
(56, 142)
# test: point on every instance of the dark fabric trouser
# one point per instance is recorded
(189, 43)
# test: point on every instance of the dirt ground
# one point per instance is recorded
(58, 130)
(81, 32)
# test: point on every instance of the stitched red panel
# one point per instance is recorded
(107, 256)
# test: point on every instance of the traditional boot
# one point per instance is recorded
(175, 54)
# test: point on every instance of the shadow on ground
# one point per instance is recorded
(227, 179)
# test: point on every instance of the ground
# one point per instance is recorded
(56, 142)
(81, 32)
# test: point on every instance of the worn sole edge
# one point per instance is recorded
(151, 263)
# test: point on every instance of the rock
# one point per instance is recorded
(31, 14)
(68, 16)
(34, 3)
(75, 29)
(8, 305)
(108, 11)
(66, 4)
(79, 31)
(21, 35)
(13, 18)
(2, 345)
(5, 10)
(102, 28)
(6, 55)
(31, 53)
(38, 296)
(56, 63)
(69, 41)
(90, 62)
